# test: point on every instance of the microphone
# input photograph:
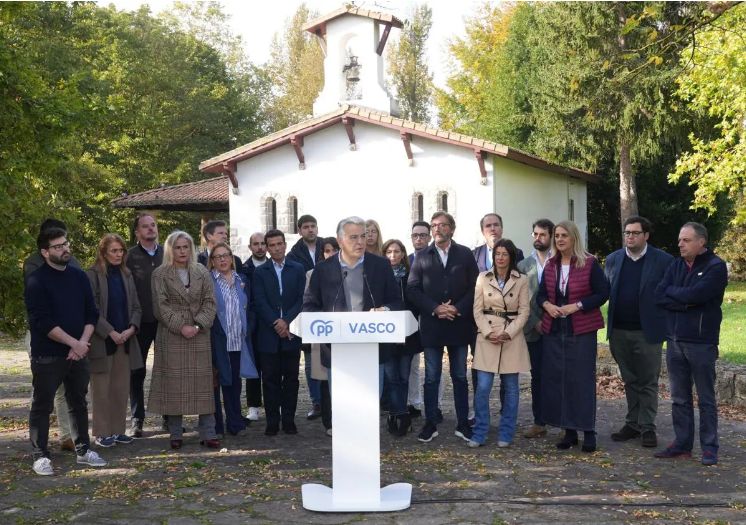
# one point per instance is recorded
(372, 301)
(339, 288)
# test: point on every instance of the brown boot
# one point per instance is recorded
(536, 431)
(67, 444)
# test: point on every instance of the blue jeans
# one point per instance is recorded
(687, 363)
(508, 412)
(396, 370)
(433, 370)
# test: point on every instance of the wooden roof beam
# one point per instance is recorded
(384, 38)
(348, 124)
(297, 142)
(229, 170)
(479, 154)
(406, 139)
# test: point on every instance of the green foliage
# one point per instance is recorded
(295, 72)
(95, 102)
(408, 68)
(713, 83)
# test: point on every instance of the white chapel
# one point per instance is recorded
(354, 156)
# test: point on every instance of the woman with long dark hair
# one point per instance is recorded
(397, 366)
(501, 309)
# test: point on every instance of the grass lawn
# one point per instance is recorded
(733, 329)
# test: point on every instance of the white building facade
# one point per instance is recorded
(354, 158)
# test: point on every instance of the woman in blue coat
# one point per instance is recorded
(230, 338)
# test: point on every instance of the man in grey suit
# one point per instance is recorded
(636, 326)
(533, 267)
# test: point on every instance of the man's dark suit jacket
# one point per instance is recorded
(479, 256)
(269, 304)
(430, 284)
(652, 316)
(325, 292)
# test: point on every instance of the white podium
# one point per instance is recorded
(356, 443)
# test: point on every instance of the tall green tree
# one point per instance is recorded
(295, 71)
(408, 67)
(713, 84)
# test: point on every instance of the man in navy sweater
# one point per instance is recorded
(691, 292)
(636, 326)
(62, 315)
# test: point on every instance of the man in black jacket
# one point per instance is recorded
(691, 292)
(441, 285)
(308, 251)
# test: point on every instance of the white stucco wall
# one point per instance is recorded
(376, 182)
(524, 193)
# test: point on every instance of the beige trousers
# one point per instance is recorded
(109, 393)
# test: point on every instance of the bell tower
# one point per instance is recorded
(353, 40)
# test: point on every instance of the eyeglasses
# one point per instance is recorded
(420, 235)
(628, 233)
(221, 256)
(59, 246)
(440, 225)
(356, 238)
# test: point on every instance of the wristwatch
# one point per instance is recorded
(197, 326)
(579, 305)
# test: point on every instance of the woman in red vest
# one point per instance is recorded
(571, 292)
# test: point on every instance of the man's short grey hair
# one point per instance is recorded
(357, 221)
(699, 230)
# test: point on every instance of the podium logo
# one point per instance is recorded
(322, 328)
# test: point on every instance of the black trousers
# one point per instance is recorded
(231, 400)
(47, 374)
(145, 338)
(326, 405)
(280, 382)
(254, 386)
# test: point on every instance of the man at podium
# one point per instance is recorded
(353, 281)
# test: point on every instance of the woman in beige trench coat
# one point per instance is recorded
(184, 305)
(501, 309)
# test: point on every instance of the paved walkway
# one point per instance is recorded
(257, 479)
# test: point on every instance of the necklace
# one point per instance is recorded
(564, 277)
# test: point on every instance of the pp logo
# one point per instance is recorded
(322, 328)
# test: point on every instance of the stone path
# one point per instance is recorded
(258, 479)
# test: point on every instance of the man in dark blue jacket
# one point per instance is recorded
(278, 288)
(635, 326)
(441, 285)
(308, 251)
(691, 292)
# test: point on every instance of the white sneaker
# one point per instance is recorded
(43, 466)
(91, 458)
(473, 444)
(503, 444)
(253, 414)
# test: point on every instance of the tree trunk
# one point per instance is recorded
(627, 184)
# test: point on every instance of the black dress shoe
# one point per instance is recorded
(570, 440)
(413, 411)
(210, 443)
(625, 434)
(290, 428)
(271, 430)
(176, 444)
(649, 439)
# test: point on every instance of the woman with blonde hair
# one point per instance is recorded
(373, 243)
(571, 292)
(114, 350)
(184, 305)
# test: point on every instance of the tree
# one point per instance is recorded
(295, 71)
(408, 68)
(713, 84)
